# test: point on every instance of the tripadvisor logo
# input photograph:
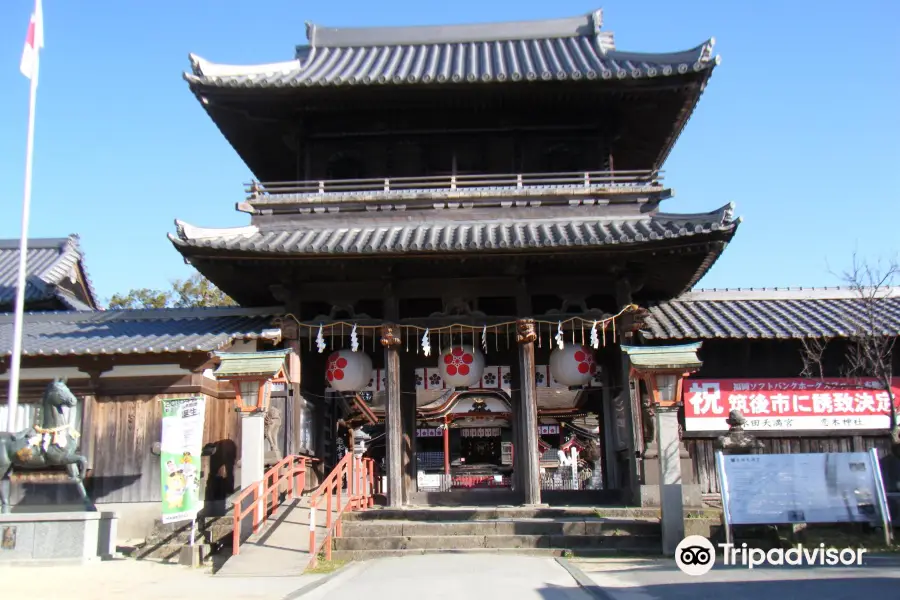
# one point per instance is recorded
(696, 555)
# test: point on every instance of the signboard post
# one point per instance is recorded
(182, 444)
(780, 489)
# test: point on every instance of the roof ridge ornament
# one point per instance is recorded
(597, 19)
(706, 54)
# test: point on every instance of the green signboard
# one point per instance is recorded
(182, 443)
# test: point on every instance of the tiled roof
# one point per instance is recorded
(697, 315)
(49, 262)
(562, 49)
(778, 313)
(134, 331)
(451, 236)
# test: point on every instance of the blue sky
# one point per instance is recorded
(798, 126)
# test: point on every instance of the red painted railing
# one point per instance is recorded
(359, 475)
(287, 476)
(480, 481)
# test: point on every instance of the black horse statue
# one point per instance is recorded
(52, 444)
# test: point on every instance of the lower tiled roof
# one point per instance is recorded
(134, 331)
(784, 313)
(463, 236)
(730, 314)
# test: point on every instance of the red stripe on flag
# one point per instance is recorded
(29, 38)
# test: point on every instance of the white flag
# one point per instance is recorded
(34, 41)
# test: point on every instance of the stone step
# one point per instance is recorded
(597, 527)
(215, 530)
(359, 555)
(165, 553)
(513, 512)
(467, 542)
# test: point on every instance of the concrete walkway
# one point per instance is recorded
(141, 580)
(282, 548)
(453, 576)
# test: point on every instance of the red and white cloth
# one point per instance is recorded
(34, 41)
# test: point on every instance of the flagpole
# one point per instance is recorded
(15, 367)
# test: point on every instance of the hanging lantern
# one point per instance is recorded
(348, 371)
(573, 366)
(461, 366)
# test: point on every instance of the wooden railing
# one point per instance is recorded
(287, 476)
(359, 475)
(587, 179)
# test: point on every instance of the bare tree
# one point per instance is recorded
(871, 342)
(812, 354)
(870, 339)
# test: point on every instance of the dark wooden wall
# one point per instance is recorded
(770, 358)
(124, 429)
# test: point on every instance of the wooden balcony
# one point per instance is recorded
(456, 186)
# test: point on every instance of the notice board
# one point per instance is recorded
(775, 489)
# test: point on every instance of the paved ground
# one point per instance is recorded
(141, 580)
(626, 579)
(453, 576)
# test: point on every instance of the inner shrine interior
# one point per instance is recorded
(461, 417)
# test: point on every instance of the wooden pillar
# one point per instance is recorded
(294, 403)
(446, 446)
(528, 457)
(408, 423)
(393, 418)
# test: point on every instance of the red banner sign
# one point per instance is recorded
(788, 404)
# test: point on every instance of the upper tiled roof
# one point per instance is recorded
(50, 261)
(456, 236)
(778, 313)
(553, 50)
(134, 331)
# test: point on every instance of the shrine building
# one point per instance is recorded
(476, 204)
(461, 258)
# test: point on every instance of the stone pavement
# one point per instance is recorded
(660, 579)
(140, 580)
(453, 576)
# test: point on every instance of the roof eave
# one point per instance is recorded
(687, 113)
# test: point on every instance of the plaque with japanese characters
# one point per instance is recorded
(788, 404)
(777, 489)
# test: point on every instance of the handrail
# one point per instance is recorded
(291, 469)
(360, 479)
(587, 179)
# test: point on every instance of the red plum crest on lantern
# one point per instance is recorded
(461, 366)
(573, 365)
(348, 371)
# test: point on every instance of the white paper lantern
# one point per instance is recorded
(348, 371)
(573, 365)
(461, 366)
